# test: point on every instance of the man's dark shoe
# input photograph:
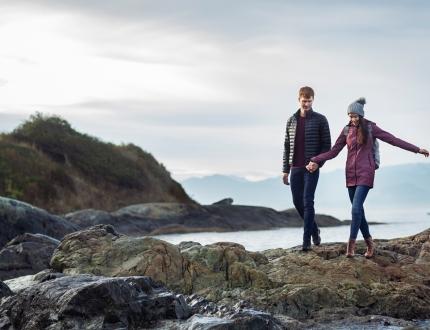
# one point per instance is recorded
(316, 239)
(306, 246)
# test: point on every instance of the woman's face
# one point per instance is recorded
(354, 118)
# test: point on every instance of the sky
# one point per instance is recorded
(207, 86)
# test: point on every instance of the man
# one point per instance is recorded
(307, 135)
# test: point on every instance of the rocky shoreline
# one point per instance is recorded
(29, 235)
(173, 218)
(101, 279)
(150, 219)
(67, 273)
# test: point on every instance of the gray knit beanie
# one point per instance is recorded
(357, 107)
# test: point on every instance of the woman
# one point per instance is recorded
(359, 137)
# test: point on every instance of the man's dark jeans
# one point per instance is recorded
(303, 186)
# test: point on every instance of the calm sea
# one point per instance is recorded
(398, 223)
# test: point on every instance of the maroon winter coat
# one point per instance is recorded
(360, 164)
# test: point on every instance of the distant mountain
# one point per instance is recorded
(400, 185)
(47, 163)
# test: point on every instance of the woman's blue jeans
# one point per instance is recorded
(357, 195)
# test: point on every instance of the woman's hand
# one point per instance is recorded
(424, 152)
(312, 167)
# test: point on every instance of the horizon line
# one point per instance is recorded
(260, 178)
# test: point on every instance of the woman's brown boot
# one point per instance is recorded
(370, 247)
(350, 248)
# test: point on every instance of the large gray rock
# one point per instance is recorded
(100, 250)
(26, 254)
(17, 218)
(89, 302)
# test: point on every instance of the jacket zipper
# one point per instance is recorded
(356, 152)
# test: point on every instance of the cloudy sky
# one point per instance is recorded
(207, 86)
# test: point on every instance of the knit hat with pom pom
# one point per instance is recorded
(357, 107)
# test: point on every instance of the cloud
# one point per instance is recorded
(208, 85)
(179, 114)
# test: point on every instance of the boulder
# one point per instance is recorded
(100, 250)
(17, 218)
(90, 302)
(26, 254)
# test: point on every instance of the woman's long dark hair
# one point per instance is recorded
(363, 131)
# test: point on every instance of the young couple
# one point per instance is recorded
(307, 147)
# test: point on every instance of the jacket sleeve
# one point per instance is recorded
(286, 157)
(333, 152)
(391, 139)
(325, 137)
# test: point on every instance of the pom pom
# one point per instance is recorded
(361, 100)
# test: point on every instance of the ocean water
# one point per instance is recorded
(397, 223)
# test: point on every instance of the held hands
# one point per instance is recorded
(424, 152)
(312, 167)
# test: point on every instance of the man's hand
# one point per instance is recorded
(312, 167)
(424, 152)
(285, 179)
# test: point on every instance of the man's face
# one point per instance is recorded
(306, 103)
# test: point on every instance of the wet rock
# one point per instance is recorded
(207, 315)
(20, 283)
(246, 320)
(90, 302)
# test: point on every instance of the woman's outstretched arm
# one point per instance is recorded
(380, 134)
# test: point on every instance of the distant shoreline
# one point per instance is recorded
(188, 230)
